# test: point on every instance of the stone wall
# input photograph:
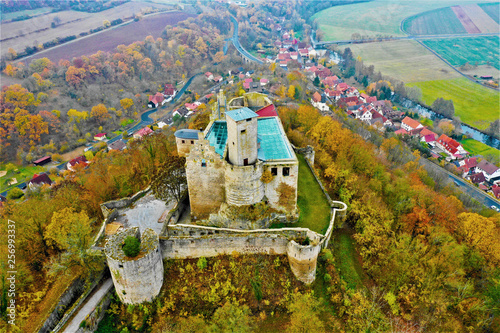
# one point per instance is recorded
(138, 279)
(108, 207)
(184, 146)
(205, 176)
(243, 184)
(303, 258)
(271, 188)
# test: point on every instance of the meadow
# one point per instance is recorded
(434, 22)
(405, 60)
(478, 148)
(372, 18)
(474, 50)
(30, 12)
(474, 104)
(109, 39)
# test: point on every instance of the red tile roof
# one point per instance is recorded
(496, 191)
(143, 132)
(316, 97)
(78, 160)
(477, 178)
(267, 111)
(448, 143)
(40, 179)
(487, 167)
(401, 131)
(426, 132)
(411, 122)
(100, 135)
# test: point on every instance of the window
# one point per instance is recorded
(286, 172)
(245, 161)
(183, 141)
(249, 119)
(243, 131)
(203, 163)
(274, 171)
(192, 142)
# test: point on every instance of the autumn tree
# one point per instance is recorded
(75, 76)
(304, 318)
(126, 103)
(100, 113)
(231, 317)
(169, 179)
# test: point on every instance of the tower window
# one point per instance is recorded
(203, 163)
(245, 161)
(192, 142)
(249, 119)
(243, 131)
(274, 171)
(286, 172)
(183, 141)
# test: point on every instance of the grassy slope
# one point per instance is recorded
(458, 51)
(346, 260)
(372, 18)
(405, 60)
(474, 104)
(22, 174)
(478, 148)
(313, 205)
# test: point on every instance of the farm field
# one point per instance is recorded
(434, 22)
(72, 23)
(9, 16)
(373, 18)
(404, 60)
(458, 51)
(492, 9)
(474, 104)
(483, 70)
(109, 39)
(478, 148)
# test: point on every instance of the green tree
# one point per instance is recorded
(231, 318)
(304, 310)
(131, 246)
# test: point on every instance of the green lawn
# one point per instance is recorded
(8, 16)
(372, 18)
(474, 104)
(478, 148)
(474, 50)
(22, 174)
(313, 205)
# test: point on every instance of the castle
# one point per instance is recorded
(241, 158)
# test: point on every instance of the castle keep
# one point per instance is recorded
(241, 158)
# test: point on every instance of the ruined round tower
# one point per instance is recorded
(137, 279)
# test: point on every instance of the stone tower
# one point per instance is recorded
(242, 136)
(138, 279)
(219, 110)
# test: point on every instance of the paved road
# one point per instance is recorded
(80, 316)
(238, 46)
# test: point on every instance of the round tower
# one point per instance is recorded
(137, 279)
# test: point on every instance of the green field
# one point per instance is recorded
(478, 148)
(458, 51)
(434, 22)
(492, 9)
(372, 18)
(313, 205)
(405, 60)
(30, 12)
(474, 104)
(21, 174)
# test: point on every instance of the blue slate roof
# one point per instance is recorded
(241, 114)
(187, 134)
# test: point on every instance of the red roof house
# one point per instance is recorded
(155, 100)
(450, 146)
(316, 97)
(410, 124)
(82, 160)
(100, 136)
(142, 132)
(267, 111)
(39, 180)
(169, 90)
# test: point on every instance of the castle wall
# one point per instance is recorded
(184, 146)
(243, 184)
(271, 188)
(205, 178)
(139, 279)
(303, 259)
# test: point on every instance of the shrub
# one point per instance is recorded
(202, 263)
(131, 246)
(15, 193)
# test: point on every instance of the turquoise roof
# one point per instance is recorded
(273, 141)
(241, 114)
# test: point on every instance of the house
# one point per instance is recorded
(182, 112)
(316, 97)
(468, 165)
(477, 178)
(450, 146)
(410, 124)
(161, 124)
(496, 191)
(42, 161)
(264, 82)
(425, 132)
(294, 55)
(80, 160)
(318, 102)
(267, 111)
(304, 53)
(333, 94)
(330, 81)
(117, 145)
(169, 90)
(488, 169)
(217, 78)
(100, 137)
(209, 76)
(142, 132)
(401, 132)
(367, 99)
(155, 100)
(429, 139)
(39, 180)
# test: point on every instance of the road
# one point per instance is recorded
(474, 192)
(236, 43)
(89, 306)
